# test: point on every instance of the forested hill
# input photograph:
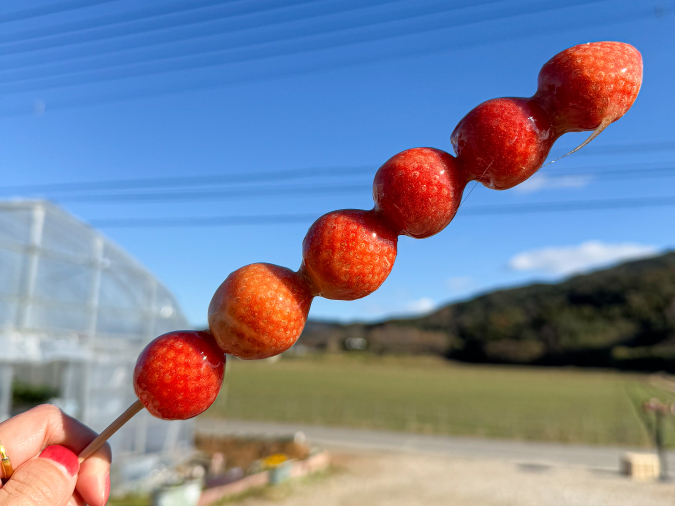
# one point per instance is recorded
(619, 317)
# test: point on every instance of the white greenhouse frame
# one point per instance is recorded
(75, 311)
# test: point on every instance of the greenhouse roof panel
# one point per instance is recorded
(59, 276)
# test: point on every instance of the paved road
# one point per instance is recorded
(462, 447)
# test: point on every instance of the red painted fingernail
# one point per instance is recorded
(62, 455)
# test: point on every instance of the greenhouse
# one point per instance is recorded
(75, 311)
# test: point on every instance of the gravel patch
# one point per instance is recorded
(396, 479)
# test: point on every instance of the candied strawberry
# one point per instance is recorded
(179, 374)
(590, 85)
(503, 141)
(419, 190)
(259, 311)
(348, 254)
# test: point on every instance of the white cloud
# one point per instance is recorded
(584, 257)
(459, 283)
(542, 181)
(423, 305)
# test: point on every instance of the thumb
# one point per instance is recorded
(48, 480)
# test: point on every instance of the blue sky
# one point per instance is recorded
(116, 92)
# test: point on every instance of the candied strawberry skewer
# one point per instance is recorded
(348, 254)
(261, 309)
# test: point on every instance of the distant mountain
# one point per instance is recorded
(620, 317)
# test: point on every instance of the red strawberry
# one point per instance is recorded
(419, 190)
(179, 374)
(590, 85)
(503, 141)
(348, 254)
(259, 311)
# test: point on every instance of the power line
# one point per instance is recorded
(572, 205)
(277, 14)
(611, 168)
(189, 181)
(110, 20)
(122, 25)
(218, 194)
(339, 171)
(276, 219)
(601, 149)
(205, 32)
(434, 23)
(53, 8)
(186, 191)
(276, 74)
(615, 174)
(269, 219)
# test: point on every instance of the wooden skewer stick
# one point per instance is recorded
(110, 430)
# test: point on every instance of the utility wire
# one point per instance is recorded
(158, 19)
(191, 181)
(277, 13)
(623, 148)
(331, 38)
(52, 8)
(218, 194)
(187, 192)
(572, 205)
(275, 17)
(122, 18)
(166, 89)
(612, 175)
(340, 171)
(492, 210)
(269, 219)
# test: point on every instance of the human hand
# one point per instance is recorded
(43, 444)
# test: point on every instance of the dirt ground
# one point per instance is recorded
(396, 479)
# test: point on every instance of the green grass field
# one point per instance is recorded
(434, 396)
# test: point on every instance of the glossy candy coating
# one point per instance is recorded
(348, 254)
(503, 141)
(589, 84)
(418, 191)
(179, 374)
(259, 311)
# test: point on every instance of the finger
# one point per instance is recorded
(27, 434)
(76, 500)
(94, 480)
(48, 480)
